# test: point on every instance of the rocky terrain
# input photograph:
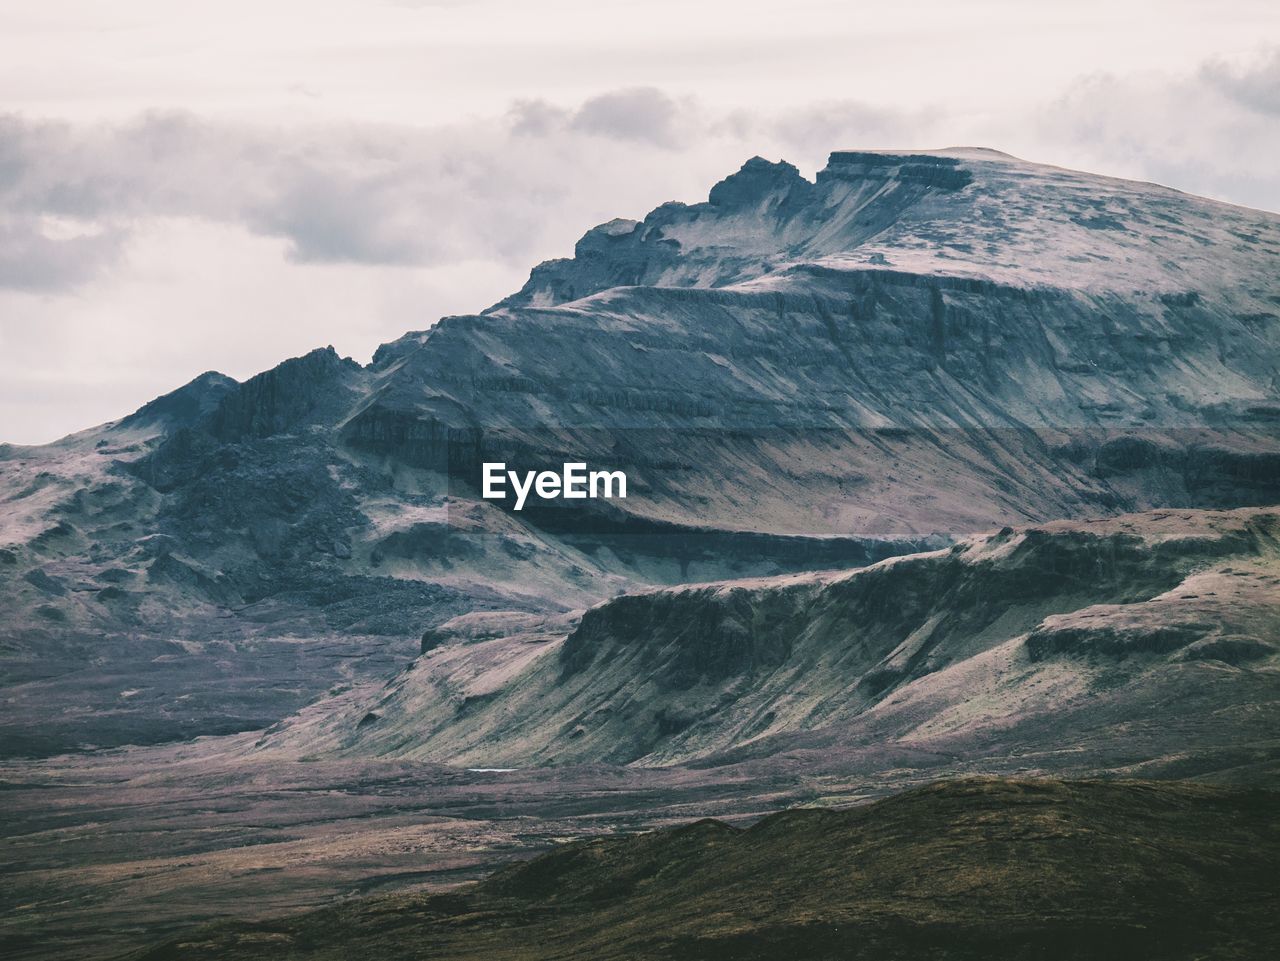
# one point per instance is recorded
(941, 464)
(1143, 645)
(970, 869)
(795, 375)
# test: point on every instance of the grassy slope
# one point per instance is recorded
(977, 868)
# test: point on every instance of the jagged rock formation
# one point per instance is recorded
(1022, 641)
(971, 869)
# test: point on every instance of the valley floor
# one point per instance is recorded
(103, 852)
(106, 852)
(971, 868)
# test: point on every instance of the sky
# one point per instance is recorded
(188, 187)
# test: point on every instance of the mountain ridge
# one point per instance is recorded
(811, 374)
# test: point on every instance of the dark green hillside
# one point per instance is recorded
(984, 868)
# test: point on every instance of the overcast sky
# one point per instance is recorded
(181, 193)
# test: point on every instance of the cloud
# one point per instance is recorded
(641, 113)
(1212, 131)
(340, 216)
(832, 125)
(1255, 84)
(32, 257)
(537, 118)
(648, 116)
(514, 188)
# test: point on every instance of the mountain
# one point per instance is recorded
(1148, 639)
(939, 464)
(795, 376)
(971, 869)
(911, 345)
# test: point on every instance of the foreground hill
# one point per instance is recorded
(968, 869)
(1144, 639)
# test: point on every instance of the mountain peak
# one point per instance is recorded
(967, 212)
(755, 181)
(184, 406)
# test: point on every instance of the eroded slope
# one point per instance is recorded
(1024, 640)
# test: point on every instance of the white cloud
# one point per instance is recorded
(512, 189)
(1211, 131)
